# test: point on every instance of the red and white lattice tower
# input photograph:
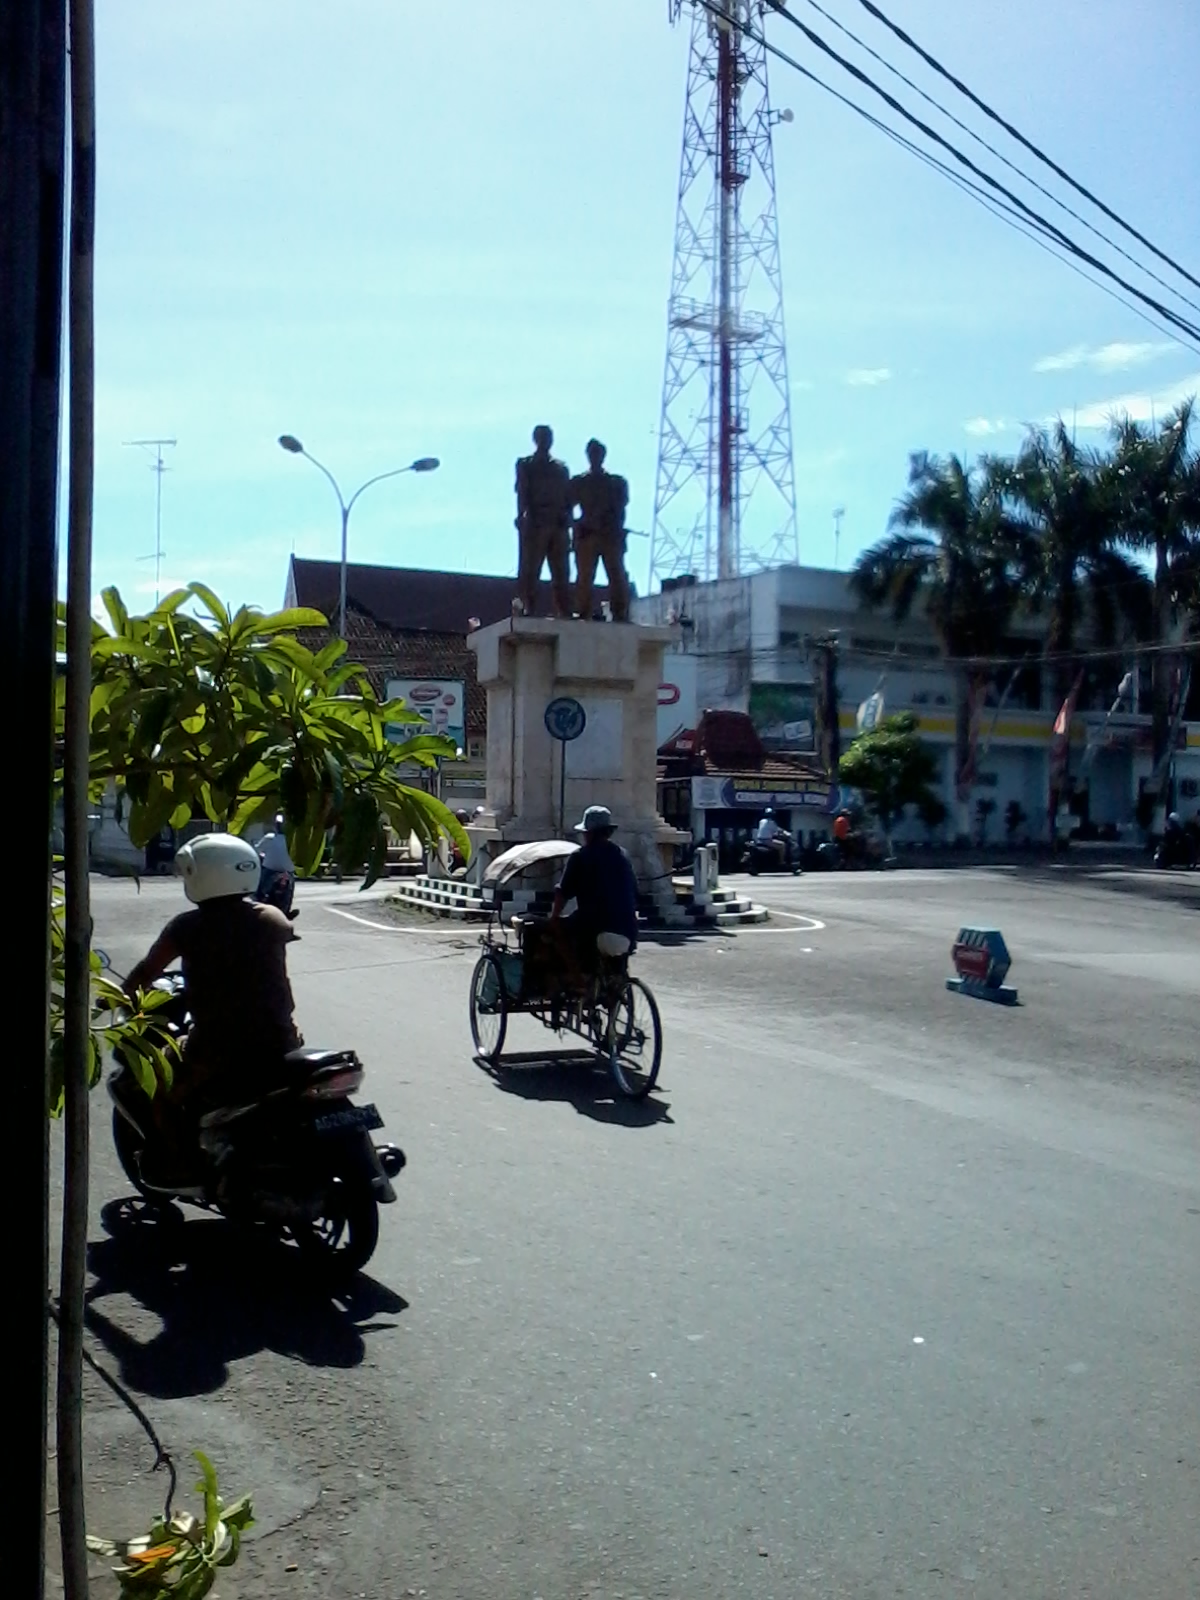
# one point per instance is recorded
(725, 498)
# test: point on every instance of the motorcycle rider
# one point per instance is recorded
(771, 836)
(233, 953)
(277, 884)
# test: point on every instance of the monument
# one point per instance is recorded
(543, 491)
(534, 775)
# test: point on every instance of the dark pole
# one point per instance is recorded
(32, 130)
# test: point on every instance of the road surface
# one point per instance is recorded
(886, 1293)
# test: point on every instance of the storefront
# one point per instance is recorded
(728, 806)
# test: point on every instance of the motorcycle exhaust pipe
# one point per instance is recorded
(391, 1158)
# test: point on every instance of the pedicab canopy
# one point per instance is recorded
(523, 856)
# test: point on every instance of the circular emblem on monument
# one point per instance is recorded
(565, 719)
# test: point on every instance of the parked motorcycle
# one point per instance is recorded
(295, 1156)
(765, 858)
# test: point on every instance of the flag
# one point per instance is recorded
(870, 713)
(1060, 742)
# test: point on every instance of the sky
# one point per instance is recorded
(398, 231)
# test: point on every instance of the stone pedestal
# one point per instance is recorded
(614, 670)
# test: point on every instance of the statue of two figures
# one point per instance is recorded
(556, 511)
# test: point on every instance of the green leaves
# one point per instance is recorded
(200, 713)
(891, 768)
(179, 1558)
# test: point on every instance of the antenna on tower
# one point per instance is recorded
(838, 513)
(158, 466)
(725, 437)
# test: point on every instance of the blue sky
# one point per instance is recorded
(397, 230)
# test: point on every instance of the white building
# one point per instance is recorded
(753, 643)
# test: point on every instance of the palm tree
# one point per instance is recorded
(1072, 568)
(950, 545)
(1153, 481)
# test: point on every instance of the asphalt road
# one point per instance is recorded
(886, 1293)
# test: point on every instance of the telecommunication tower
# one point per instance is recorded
(725, 497)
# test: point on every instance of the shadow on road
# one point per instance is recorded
(575, 1078)
(1142, 882)
(217, 1294)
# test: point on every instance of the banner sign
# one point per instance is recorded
(719, 792)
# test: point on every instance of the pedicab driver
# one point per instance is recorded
(599, 878)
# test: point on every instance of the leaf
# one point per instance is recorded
(115, 607)
(212, 605)
(285, 621)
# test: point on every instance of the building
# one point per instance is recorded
(754, 645)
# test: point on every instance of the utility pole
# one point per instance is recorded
(33, 74)
(158, 466)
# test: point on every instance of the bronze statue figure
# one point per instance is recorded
(600, 534)
(543, 524)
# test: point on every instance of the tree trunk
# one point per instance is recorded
(1164, 665)
(77, 947)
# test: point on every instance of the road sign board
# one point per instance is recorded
(565, 719)
(981, 963)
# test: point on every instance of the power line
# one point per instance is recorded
(998, 208)
(1015, 133)
(993, 183)
(999, 154)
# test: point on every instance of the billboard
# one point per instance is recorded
(677, 714)
(783, 715)
(440, 702)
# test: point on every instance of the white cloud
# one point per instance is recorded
(1116, 357)
(868, 377)
(984, 427)
(1144, 407)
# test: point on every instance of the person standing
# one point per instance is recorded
(543, 525)
(602, 498)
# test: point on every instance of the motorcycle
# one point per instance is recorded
(295, 1157)
(761, 857)
(1176, 848)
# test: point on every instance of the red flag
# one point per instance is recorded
(1060, 743)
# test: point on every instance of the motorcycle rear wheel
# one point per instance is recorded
(340, 1244)
(129, 1145)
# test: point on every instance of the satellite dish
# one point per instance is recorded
(787, 116)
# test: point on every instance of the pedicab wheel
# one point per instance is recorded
(489, 1009)
(634, 1040)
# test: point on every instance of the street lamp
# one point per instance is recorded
(292, 445)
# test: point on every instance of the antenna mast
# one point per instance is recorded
(158, 466)
(725, 498)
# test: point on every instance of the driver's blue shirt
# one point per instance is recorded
(599, 878)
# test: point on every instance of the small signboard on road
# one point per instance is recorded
(981, 964)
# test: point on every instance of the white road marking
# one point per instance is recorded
(365, 922)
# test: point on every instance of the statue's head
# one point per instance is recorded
(596, 454)
(543, 437)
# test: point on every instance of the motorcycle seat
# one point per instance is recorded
(310, 1060)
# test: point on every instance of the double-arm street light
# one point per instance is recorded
(290, 443)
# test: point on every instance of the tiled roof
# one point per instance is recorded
(409, 600)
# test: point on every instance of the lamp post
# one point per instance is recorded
(292, 445)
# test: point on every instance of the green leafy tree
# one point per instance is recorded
(1153, 479)
(950, 548)
(891, 767)
(229, 717)
(1072, 569)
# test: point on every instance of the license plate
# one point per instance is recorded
(365, 1117)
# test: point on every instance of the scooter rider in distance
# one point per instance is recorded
(277, 885)
(771, 836)
(233, 952)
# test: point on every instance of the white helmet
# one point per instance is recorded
(217, 865)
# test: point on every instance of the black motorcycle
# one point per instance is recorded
(1176, 848)
(761, 857)
(295, 1156)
